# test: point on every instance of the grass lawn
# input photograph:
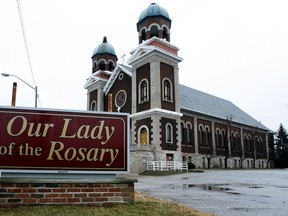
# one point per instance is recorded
(144, 205)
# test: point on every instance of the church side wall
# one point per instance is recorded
(234, 152)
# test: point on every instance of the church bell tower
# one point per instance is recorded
(156, 113)
(104, 61)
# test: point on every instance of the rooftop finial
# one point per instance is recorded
(105, 39)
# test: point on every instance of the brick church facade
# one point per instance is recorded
(170, 121)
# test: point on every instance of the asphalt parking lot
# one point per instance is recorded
(224, 192)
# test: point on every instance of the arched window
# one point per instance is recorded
(143, 135)
(102, 65)
(218, 138)
(154, 31)
(182, 132)
(207, 132)
(143, 91)
(167, 90)
(250, 143)
(260, 145)
(93, 106)
(189, 133)
(94, 66)
(223, 139)
(237, 142)
(143, 34)
(201, 135)
(246, 142)
(165, 33)
(232, 140)
(111, 66)
(169, 133)
(257, 144)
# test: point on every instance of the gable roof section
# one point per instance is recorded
(120, 67)
(140, 51)
(154, 44)
(96, 77)
(206, 104)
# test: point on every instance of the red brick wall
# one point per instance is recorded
(19, 192)
(167, 71)
(162, 46)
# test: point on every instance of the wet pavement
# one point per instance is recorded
(224, 192)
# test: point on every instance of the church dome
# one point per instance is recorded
(104, 47)
(153, 10)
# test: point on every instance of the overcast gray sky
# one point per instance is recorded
(233, 49)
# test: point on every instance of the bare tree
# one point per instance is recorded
(271, 149)
(255, 133)
(227, 140)
(241, 156)
(208, 153)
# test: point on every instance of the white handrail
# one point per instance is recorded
(167, 165)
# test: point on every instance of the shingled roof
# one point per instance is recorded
(206, 104)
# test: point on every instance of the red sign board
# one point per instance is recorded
(42, 139)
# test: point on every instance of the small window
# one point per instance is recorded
(121, 75)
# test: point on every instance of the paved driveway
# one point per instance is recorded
(224, 192)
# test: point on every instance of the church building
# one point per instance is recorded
(170, 121)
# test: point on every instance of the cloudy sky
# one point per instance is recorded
(233, 49)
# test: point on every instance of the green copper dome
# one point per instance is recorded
(153, 10)
(104, 47)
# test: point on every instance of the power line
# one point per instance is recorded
(25, 41)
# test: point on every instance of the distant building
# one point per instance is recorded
(170, 121)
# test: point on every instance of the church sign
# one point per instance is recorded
(63, 141)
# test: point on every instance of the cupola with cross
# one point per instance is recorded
(153, 21)
(104, 61)
(104, 57)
